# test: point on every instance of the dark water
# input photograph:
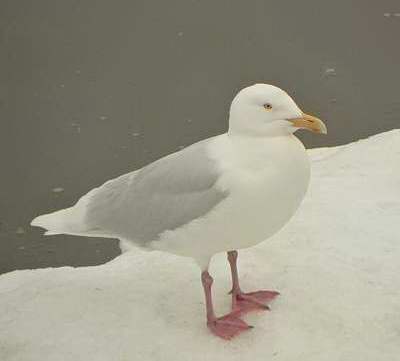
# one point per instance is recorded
(90, 90)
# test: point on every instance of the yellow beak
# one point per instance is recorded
(309, 122)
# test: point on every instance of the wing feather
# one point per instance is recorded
(162, 196)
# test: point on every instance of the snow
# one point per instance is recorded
(336, 265)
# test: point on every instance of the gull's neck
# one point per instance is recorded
(259, 152)
(260, 142)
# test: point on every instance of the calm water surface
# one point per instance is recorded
(91, 90)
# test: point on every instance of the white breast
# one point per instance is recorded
(266, 179)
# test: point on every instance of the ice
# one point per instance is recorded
(57, 190)
(20, 230)
(387, 15)
(76, 126)
(336, 265)
(330, 72)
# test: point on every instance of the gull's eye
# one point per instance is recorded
(268, 106)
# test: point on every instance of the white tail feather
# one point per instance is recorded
(69, 220)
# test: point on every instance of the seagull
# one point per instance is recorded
(221, 194)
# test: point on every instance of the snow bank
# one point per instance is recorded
(337, 265)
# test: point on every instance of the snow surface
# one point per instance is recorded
(337, 265)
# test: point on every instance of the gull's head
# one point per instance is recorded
(264, 109)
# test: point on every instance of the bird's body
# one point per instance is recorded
(257, 203)
(246, 199)
(224, 193)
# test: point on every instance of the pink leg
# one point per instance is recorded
(226, 326)
(245, 302)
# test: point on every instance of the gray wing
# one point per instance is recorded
(164, 195)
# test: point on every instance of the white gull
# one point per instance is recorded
(224, 193)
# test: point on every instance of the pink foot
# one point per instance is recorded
(251, 301)
(228, 326)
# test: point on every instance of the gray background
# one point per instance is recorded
(93, 89)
